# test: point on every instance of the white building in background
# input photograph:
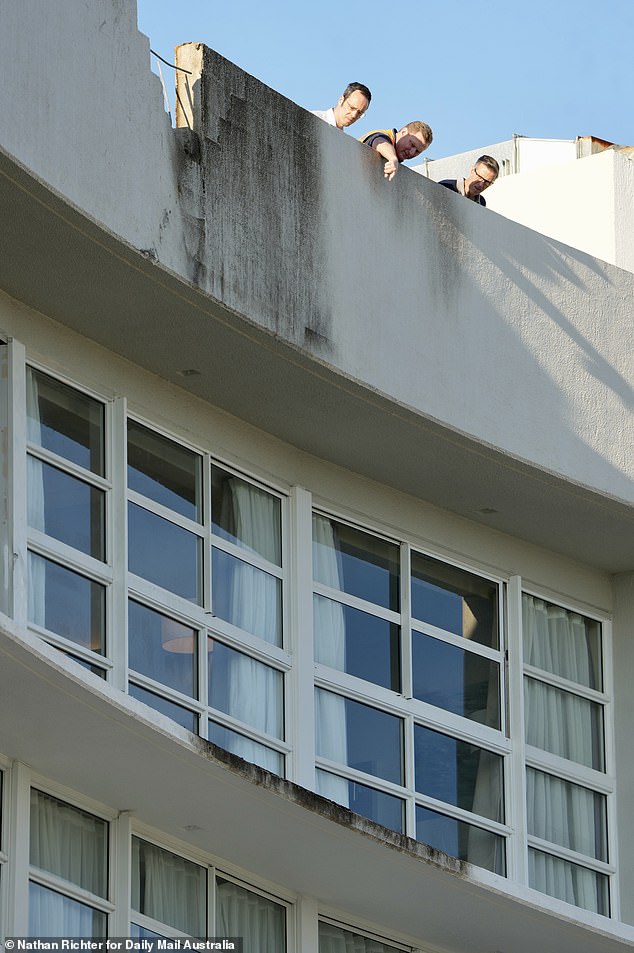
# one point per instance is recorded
(578, 191)
(316, 508)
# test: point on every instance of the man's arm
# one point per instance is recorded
(385, 148)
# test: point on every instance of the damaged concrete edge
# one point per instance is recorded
(27, 649)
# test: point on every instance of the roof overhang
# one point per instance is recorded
(74, 729)
(58, 261)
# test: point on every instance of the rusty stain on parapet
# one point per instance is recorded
(330, 810)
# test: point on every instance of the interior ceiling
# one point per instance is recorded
(59, 262)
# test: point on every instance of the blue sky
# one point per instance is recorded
(477, 71)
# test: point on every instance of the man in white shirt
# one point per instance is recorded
(352, 104)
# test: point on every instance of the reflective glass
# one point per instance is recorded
(461, 840)
(246, 689)
(65, 421)
(164, 471)
(566, 814)
(570, 882)
(162, 648)
(69, 843)
(246, 748)
(562, 642)
(67, 603)
(182, 716)
(334, 939)
(247, 597)
(66, 508)
(382, 808)
(53, 914)
(458, 773)
(168, 888)
(164, 553)
(456, 680)
(246, 515)
(454, 600)
(356, 642)
(358, 735)
(142, 933)
(355, 562)
(564, 724)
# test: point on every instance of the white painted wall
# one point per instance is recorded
(440, 306)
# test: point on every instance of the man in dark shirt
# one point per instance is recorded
(483, 173)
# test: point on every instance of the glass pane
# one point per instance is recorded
(53, 914)
(247, 597)
(164, 553)
(355, 562)
(455, 600)
(69, 843)
(162, 648)
(456, 680)
(66, 508)
(182, 716)
(570, 882)
(164, 471)
(246, 515)
(382, 808)
(259, 921)
(100, 672)
(564, 724)
(168, 888)
(566, 814)
(66, 603)
(562, 642)
(464, 841)
(246, 689)
(362, 737)
(65, 421)
(246, 748)
(334, 939)
(142, 933)
(462, 774)
(357, 642)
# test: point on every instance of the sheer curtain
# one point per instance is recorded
(255, 607)
(557, 641)
(71, 845)
(330, 649)
(334, 939)
(168, 888)
(242, 913)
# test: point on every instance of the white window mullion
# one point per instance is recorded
(16, 886)
(515, 777)
(120, 874)
(17, 553)
(300, 692)
(610, 764)
(117, 545)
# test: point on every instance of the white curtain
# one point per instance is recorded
(330, 649)
(168, 888)
(255, 690)
(254, 599)
(334, 939)
(72, 845)
(242, 913)
(556, 641)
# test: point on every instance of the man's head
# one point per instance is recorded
(483, 173)
(352, 104)
(412, 139)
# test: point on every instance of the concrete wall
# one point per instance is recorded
(449, 310)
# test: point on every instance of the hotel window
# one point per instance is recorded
(68, 874)
(258, 919)
(408, 704)
(205, 610)
(67, 494)
(334, 938)
(169, 893)
(566, 781)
